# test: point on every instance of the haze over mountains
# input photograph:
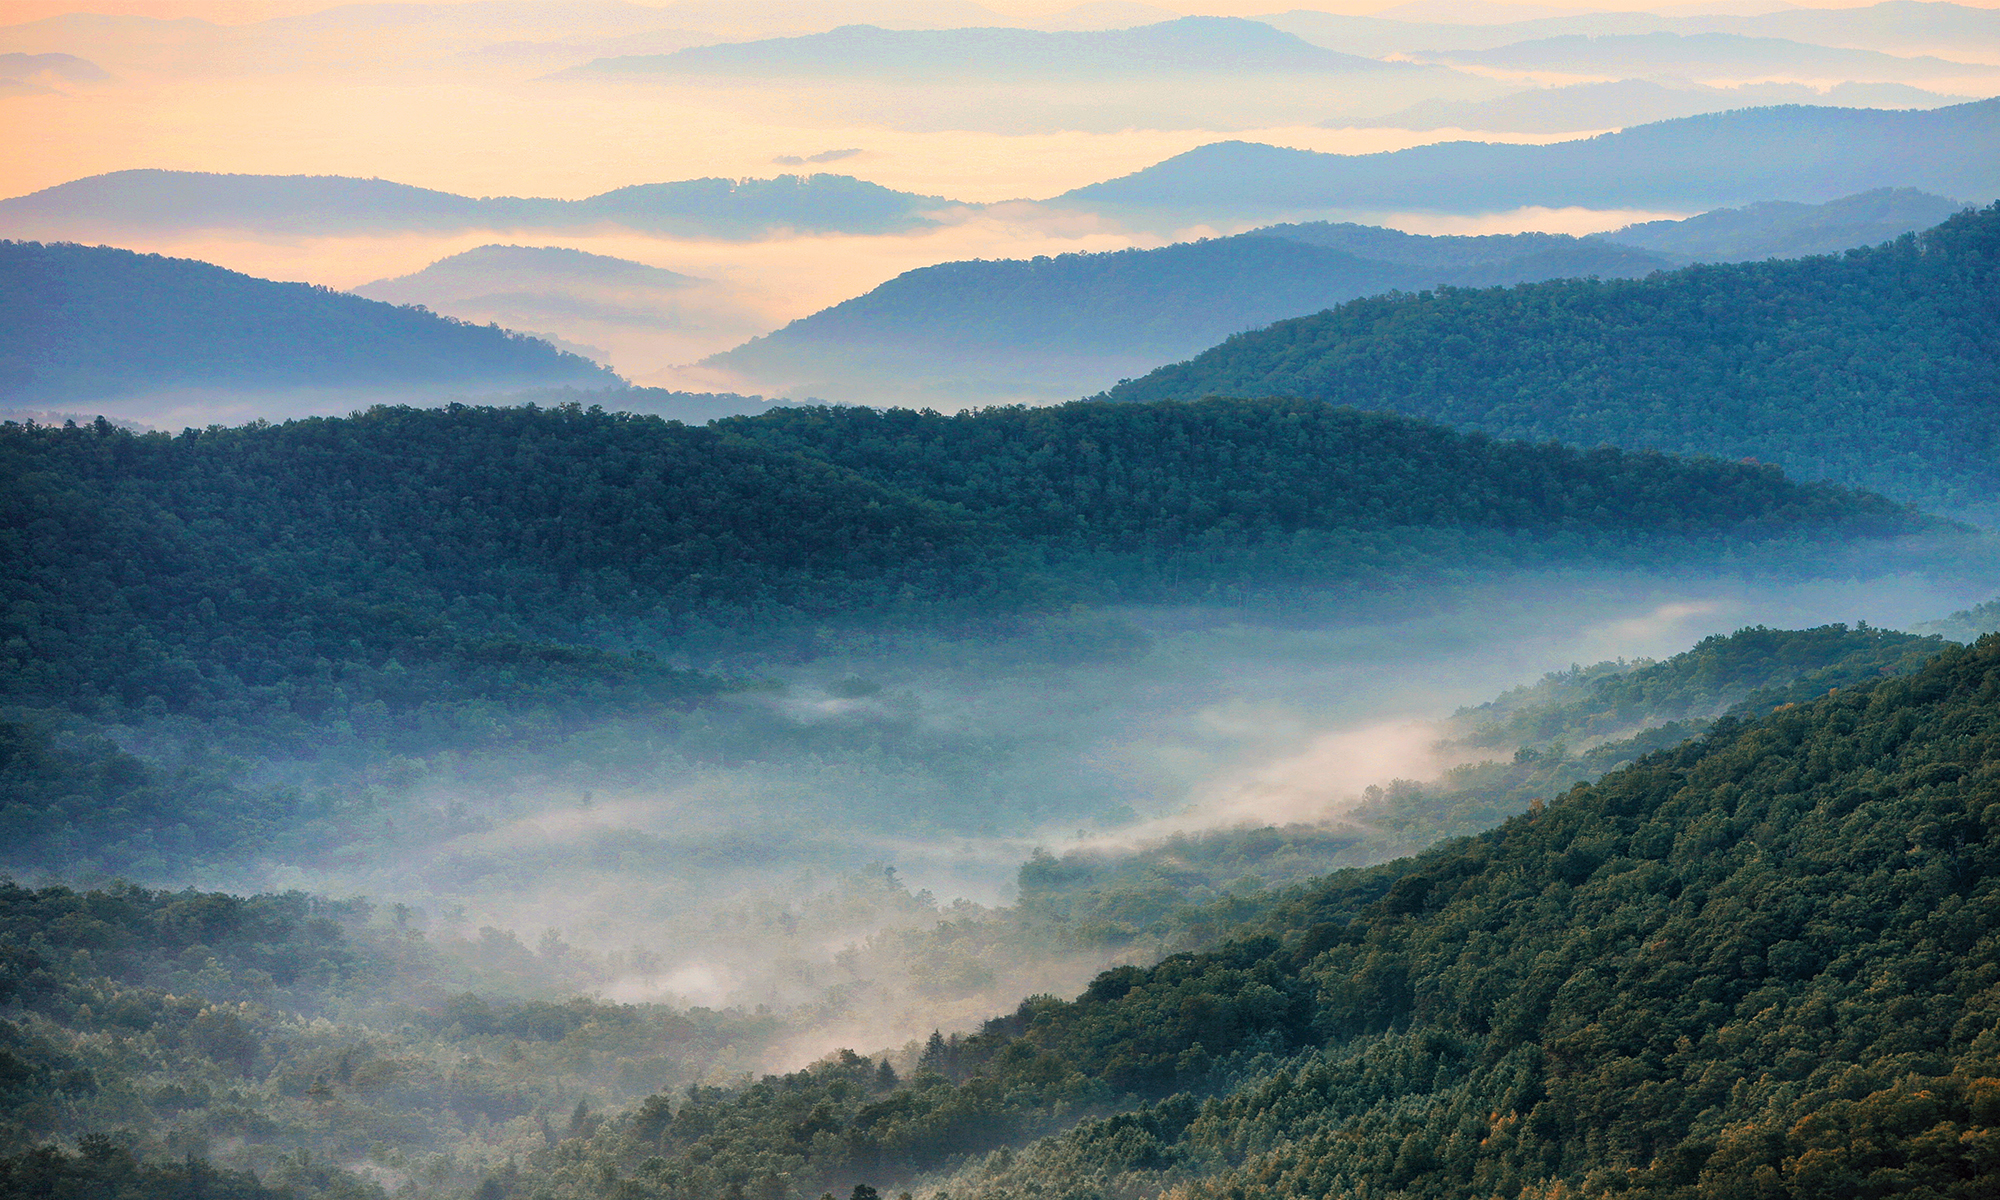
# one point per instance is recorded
(94, 325)
(635, 679)
(1723, 159)
(973, 332)
(150, 200)
(1890, 345)
(1582, 106)
(637, 318)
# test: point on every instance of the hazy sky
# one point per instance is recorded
(462, 106)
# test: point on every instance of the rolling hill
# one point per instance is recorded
(1871, 368)
(80, 324)
(1006, 330)
(984, 331)
(1785, 229)
(405, 570)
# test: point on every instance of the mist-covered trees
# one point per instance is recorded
(417, 573)
(1762, 963)
(1870, 368)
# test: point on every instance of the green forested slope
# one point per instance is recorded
(1873, 368)
(86, 323)
(1190, 890)
(1760, 964)
(1204, 483)
(393, 568)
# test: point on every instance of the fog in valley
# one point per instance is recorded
(794, 848)
(1154, 512)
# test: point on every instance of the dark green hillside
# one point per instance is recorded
(1760, 964)
(86, 323)
(1873, 368)
(1572, 727)
(389, 569)
(1204, 487)
(1717, 674)
(385, 569)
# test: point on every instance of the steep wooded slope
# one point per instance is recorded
(1874, 368)
(1762, 963)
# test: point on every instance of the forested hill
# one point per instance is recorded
(82, 323)
(386, 567)
(1875, 368)
(1055, 327)
(1759, 964)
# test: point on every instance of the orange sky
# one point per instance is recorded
(242, 11)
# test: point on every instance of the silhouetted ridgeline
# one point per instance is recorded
(101, 205)
(1759, 963)
(82, 323)
(1197, 45)
(1059, 326)
(1053, 327)
(404, 561)
(1872, 368)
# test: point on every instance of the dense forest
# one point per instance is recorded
(1571, 727)
(1759, 963)
(407, 563)
(389, 1045)
(1870, 368)
(84, 323)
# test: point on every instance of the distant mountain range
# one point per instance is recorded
(1875, 368)
(1734, 158)
(987, 331)
(1705, 56)
(80, 323)
(25, 74)
(151, 200)
(1789, 152)
(1189, 45)
(1209, 73)
(1903, 27)
(1624, 102)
